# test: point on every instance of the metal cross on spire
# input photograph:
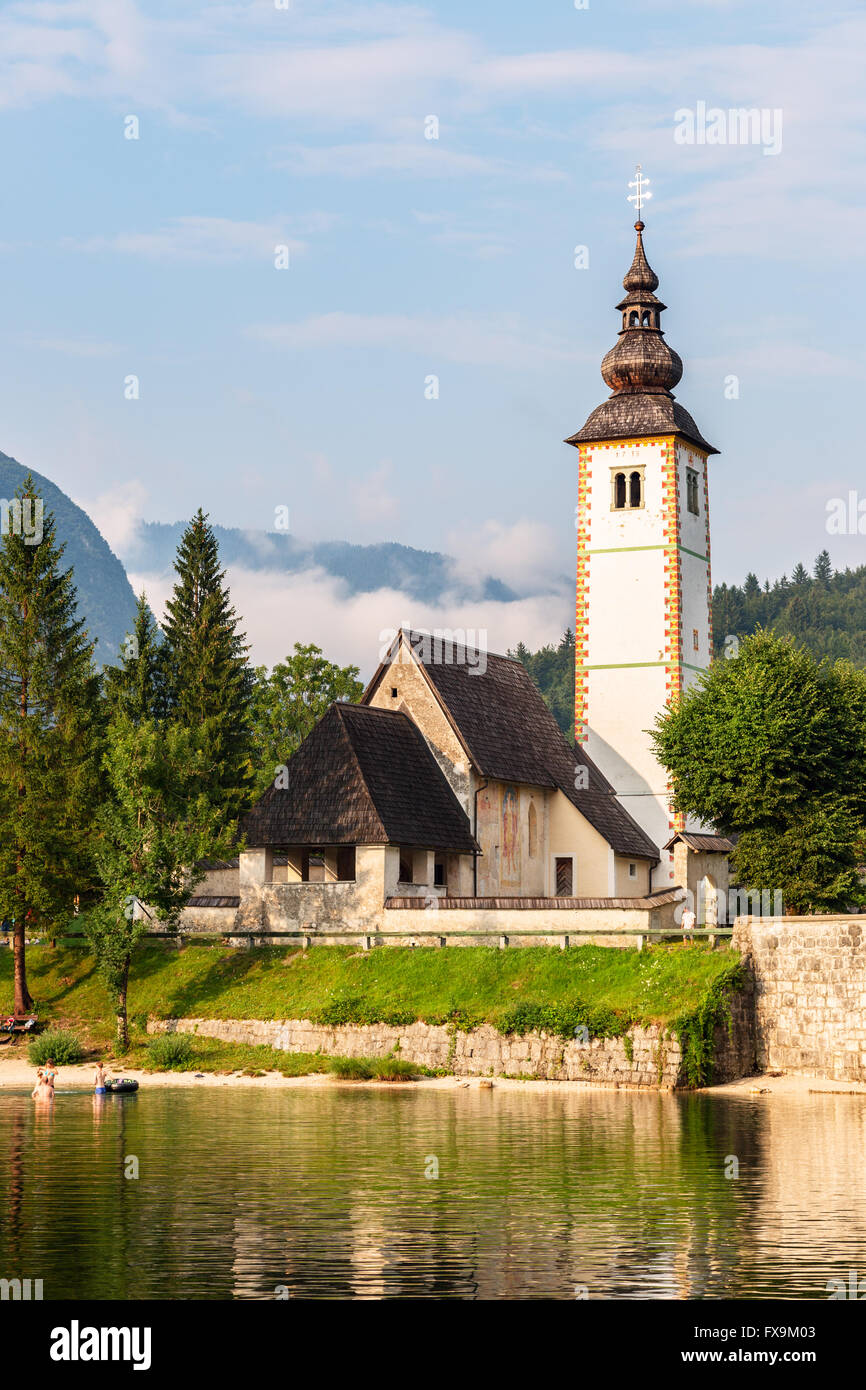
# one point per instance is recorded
(641, 195)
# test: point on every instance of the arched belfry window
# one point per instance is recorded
(647, 319)
(626, 489)
(634, 319)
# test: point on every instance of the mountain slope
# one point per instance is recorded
(105, 597)
(424, 575)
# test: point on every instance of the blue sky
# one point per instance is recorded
(411, 257)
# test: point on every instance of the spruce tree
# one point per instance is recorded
(824, 568)
(49, 731)
(139, 686)
(211, 681)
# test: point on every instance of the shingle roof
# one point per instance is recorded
(637, 413)
(511, 735)
(647, 903)
(363, 776)
(701, 843)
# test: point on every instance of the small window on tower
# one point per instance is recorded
(393, 692)
(692, 491)
(618, 491)
(695, 642)
(635, 490)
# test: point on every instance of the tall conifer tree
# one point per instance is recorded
(49, 718)
(139, 686)
(211, 681)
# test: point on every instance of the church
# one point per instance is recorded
(447, 805)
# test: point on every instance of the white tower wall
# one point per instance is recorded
(643, 624)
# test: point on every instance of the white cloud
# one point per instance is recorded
(496, 340)
(525, 555)
(277, 610)
(382, 67)
(199, 238)
(73, 347)
(373, 501)
(420, 158)
(116, 513)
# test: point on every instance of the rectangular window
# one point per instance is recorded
(346, 863)
(695, 639)
(692, 491)
(564, 877)
(632, 870)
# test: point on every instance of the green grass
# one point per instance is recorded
(466, 984)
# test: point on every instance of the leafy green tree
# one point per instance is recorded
(211, 681)
(140, 685)
(815, 859)
(289, 701)
(49, 732)
(155, 822)
(771, 744)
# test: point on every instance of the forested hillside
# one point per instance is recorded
(824, 611)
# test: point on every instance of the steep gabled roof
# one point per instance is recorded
(510, 734)
(362, 776)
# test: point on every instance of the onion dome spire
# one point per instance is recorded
(640, 369)
(641, 359)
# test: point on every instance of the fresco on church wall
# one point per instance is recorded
(488, 838)
(510, 838)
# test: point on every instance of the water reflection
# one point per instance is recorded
(253, 1194)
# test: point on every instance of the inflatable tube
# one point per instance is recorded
(121, 1087)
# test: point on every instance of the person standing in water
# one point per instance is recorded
(50, 1073)
(43, 1090)
(100, 1078)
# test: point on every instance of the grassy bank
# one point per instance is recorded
(681, 987)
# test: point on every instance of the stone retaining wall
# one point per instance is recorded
(656, 1060)
(810, 992)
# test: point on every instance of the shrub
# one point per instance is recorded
(565, 1020)
(61, 1045)
(352, 1068)
(171, 1052)
(352, 1009)
(696, 1030)
(394, 1069)
(373, 1069)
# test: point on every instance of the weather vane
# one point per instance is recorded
(640, 184)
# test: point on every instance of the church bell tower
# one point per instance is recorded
(643, 629)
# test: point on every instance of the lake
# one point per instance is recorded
(334, 1193)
